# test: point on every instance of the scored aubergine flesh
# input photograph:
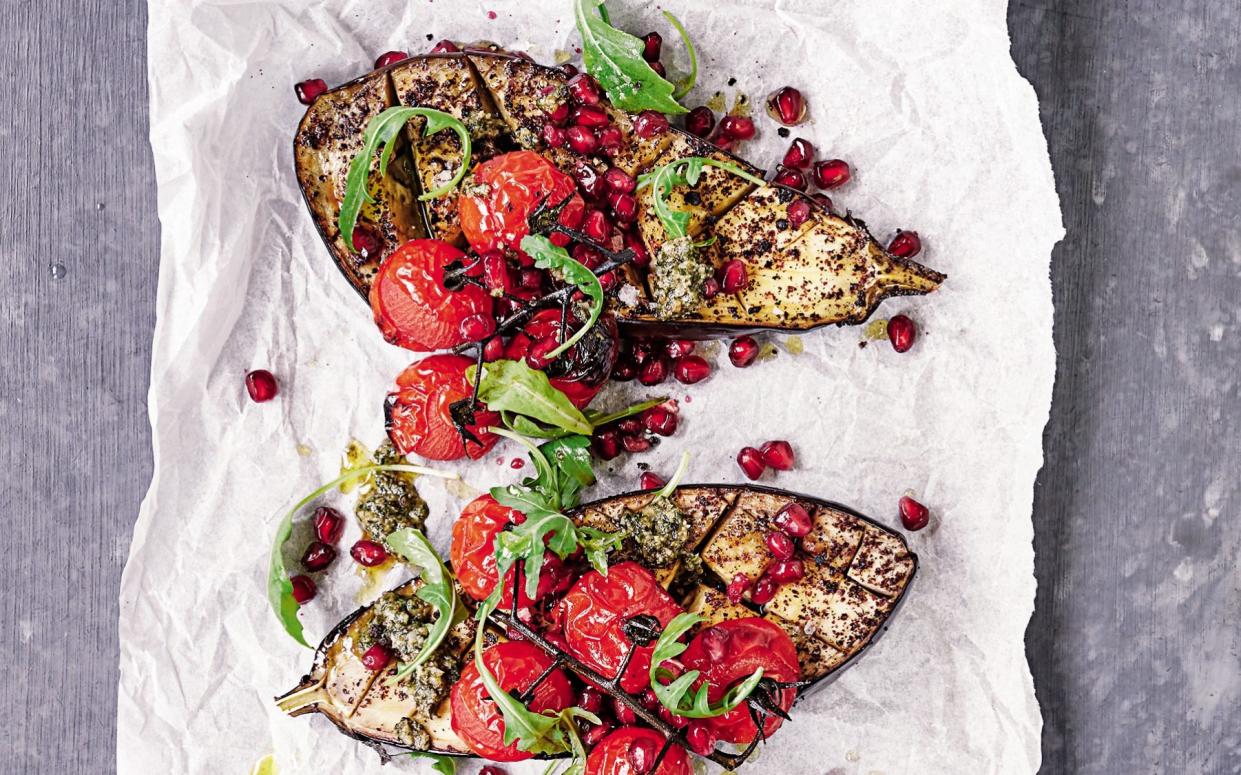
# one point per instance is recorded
(826, 270)
(857, 573)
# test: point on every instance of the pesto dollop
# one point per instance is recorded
(659, 531)
(390, 501)
(676, 278)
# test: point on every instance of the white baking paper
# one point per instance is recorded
(922, 98)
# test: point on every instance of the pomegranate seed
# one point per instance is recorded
(476, 328)
(650, 124)
(672, 718)
(700, 121)
(588, 179)
(658, 67)
(497, 274)
(584, 90)
(736, 127)
(493, 350)
(609, 280)
(587, 256)
(642, 753)
(390, 58)
(625, 207)
(630, 426)
(914, 516)
(329, 524)
(823, 200)
(798, 212)
(650, 481)
(624, 370)
(901, 333)
(591, 116)
(610, 138)
(751, 462)
(554, 136)
(368, 553)
(781, 545)
(653, 372)
(624, 714)
(582, 140)
(691, 369)
(376, 658)
(261, 385)
(642, 351)
(701, 738)
(308, 91)
(537, 355)
(591, 737)
(800, 154)
(660, 420)
(649, 699)
(905, 244)
(764, 590)
(560, 114)
(597, 226)
(619, 181)
(569, 69)
(607, 444)
(832, 173)
(778, 455)
(652, 43)
(793, 519)
(532, 279)
(318, 556)
(635, 444)
(735, 277)
(590, 699)
(743, 351)
(787, 176)
(787, 571)
(787, 106)
(445, 47)
(634, 243)
(366, 241)
(738, 587)
(304, 589)
(711, 288)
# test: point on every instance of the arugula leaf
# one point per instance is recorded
(685, 84)
(383, 130)
(279, 588)
(614, 58)
(683, 172)
(437, 590)
(515, 387)
(545, 528)
(572, 458)
(443, 764)
(679, 695)
(598, 419)
(549, 256)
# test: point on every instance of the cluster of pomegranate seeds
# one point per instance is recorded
(700, 121)
(901, 333)
(792, 523)
(261, 385)
(787, 105)
(390, 58)
(376, 658)
(743, 351)
(905, 244)
(777, 455)
(914, 516)
(308, 91)
(636, 434)
(368, 553)
(304, 589)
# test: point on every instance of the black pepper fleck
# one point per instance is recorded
(783, 131)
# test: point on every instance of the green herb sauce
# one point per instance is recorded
(676, 278)
(659, 532)
(390, 501)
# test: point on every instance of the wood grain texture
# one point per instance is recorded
(1134, 643)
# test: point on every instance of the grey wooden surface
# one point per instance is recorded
(1134, 644)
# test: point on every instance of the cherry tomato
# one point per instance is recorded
(595, 610)
(729, 652)
(475, 717)
(504, 192)
(412, 307)
(473, 553)
(631, 750)
(418, 419)
(581, 372)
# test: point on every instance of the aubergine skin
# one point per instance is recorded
(826, 270)
(857, 575)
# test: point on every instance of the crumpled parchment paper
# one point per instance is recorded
(925, 102)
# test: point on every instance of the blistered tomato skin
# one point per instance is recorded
(412, 307)
(631, 750)
(418, 419)
(595, 610)
(473, 553)
(582, 371)
(731, 651)
(503, 192)
(515, 664)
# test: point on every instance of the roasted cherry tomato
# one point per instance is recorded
(412, 307)
(418, 419)
(582, 371)
(504, 192)
(473, 553)
(632, 751)
(475, 717)
(727, 653)
(595, 610)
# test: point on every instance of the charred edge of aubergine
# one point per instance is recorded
(817, 685)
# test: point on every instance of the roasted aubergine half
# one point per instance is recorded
(698, 549)
(805, 265)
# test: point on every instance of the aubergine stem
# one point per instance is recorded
(302, 698)
(902, 277)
